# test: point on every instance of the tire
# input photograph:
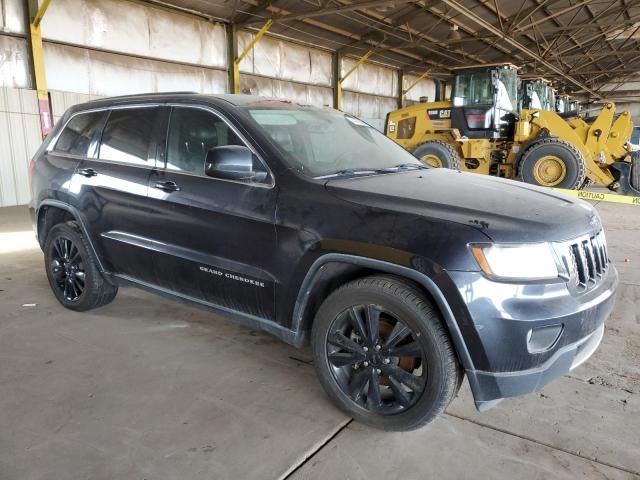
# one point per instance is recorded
(635, 170)
(442, 154)
(415, 348)
(72, 271)
(566, 165)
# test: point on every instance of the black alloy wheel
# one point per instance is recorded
(376, 359)
(383, 354)
(72, 270)
(67, 268)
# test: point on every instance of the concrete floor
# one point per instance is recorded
(149, 389)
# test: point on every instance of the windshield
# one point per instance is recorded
(327, 142)
(476, 88)
(507, 98)
(544, 94)
(561, 105)
(472, 89)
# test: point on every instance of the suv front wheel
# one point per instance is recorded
(72, 272)
(383, 355)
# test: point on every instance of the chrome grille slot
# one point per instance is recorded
(588, 260)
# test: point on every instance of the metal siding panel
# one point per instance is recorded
(68, 68)
(424, 88)
(370, 108)
(19, 157)
(14, 63)
(12, 16)
(370, 78)
(135, 29)
(7, 182)
(19, 140)
(97, 74)
(297, 92)
(283, 60)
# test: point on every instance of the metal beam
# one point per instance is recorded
(508, 39)
(36, 14)
(235, 80)
(330, 10)
(40, 13)
(553, 15)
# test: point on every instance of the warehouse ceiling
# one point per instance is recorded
(584, 46)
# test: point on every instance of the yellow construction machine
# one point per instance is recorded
(481, 129)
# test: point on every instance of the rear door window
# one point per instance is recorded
(79, 135)
(127, 137)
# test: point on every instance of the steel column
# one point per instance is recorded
(337, 96)
(36, 14)
(233, 46)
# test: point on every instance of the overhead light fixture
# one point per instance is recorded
(454, 34)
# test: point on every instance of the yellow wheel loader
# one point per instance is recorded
(481, 129)
(537, 93)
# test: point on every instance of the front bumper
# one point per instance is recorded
(499, 318)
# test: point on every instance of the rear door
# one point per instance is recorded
(114, 188)
(77, 141)
(215, 239)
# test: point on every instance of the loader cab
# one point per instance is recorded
(567, 107)
(537, 94)
(485, 101)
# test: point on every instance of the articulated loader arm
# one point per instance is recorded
(593, 145)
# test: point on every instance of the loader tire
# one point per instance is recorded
(635, 170)
(552, 162)
(438, 154)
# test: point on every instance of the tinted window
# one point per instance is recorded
(323, 142)
(127, 136)
(77, 135)
(192, 133)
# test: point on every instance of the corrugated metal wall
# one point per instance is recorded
(424, 88)
(276, 68)
(19, 139)
(369, 92)
(97, 48)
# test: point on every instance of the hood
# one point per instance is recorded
(504, 210)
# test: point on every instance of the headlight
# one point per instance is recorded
(517, 262)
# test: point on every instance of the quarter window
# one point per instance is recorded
(127, 136)
(78, 134)
(192, 133)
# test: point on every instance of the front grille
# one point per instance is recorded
(589, 260)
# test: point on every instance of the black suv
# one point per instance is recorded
(313, 226)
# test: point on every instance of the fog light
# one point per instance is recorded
(541, 339)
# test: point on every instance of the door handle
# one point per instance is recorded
(167, 186)
(87, 172)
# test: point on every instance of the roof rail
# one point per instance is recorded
(151, 94)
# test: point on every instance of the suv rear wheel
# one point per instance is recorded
(383, 355)
(72, 272)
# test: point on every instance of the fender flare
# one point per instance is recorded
(78, 217)
(380, 265)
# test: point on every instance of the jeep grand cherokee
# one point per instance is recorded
(311, 225)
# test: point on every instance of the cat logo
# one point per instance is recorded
(439, 114)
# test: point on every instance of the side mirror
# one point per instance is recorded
(230, 162)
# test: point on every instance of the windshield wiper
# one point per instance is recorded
(356, 171)
(403, 166)
(348, 172)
